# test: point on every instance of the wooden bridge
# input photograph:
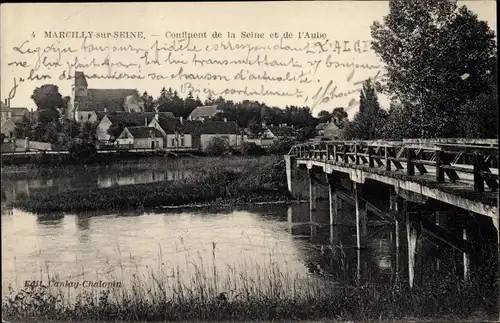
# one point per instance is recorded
(461, 173)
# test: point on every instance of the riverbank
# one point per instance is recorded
(222, 182)
(237, 297)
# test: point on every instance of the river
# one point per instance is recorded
(240, 243)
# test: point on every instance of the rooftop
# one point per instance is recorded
(143, 132)
(204, 111)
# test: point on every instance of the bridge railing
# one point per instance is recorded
(473, 160)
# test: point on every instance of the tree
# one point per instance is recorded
(324, 116)
(252, 149)
(190, 103)
(48, 101)
(148, 101)
(255, 128)
(88, 132)
(368, 122)
(115, 130)
(401, 123)
(437, 58)
(217, 146)
(339, 116)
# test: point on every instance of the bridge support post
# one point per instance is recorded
(312, 193)
(361, 216)
(395, 206)
(332, 198)
(289, 159)
(411, 235)
(465, 255)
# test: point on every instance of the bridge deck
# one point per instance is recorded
(452, 173)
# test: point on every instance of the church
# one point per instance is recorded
(88, 105)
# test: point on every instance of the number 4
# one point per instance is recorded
(33, 35)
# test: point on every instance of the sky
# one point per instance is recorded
(324, 66)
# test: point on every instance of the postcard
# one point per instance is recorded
(237, 161)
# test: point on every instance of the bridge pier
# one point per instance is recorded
(332, 198)
(312, 192)
(361, 216)
(465, 256)
(411, 236)
(395, 206)
(289, 160)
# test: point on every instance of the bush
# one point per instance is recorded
(217, 146)
(82, 151)
(251, 148)
(282, 146)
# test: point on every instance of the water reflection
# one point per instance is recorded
(15, 188)
(100, 246)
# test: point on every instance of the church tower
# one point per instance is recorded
(79, 91)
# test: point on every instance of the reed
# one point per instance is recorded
(251, 291)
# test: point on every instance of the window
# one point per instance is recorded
(173, 142)
(88, 117)
(81, 118)
(182, 142)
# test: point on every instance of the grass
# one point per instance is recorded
(241, 180)
(270, 292)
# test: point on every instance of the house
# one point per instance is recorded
(8, 127)
(141, 137)
(332, 131)
(18, 115)
(204, 113)
(85, 104)
(201, 133)
(169, 128)
(5, 111)
(127, 120)
(180, 134)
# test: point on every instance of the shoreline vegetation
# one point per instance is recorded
(251, 291)
(227, 181)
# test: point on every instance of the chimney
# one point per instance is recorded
(157, 117)
(181, 120)
(146, 121)
(105, 110)
(225, 119)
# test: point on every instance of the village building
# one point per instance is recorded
(196, 135)
(8, 128)
(204, 113)
(11, 118)
(141, 137)
(5, 111)
(127, 120)
(168, 126)
(202, 133)
(86, 104)
(332, 131)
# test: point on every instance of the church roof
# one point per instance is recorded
(109, 99)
